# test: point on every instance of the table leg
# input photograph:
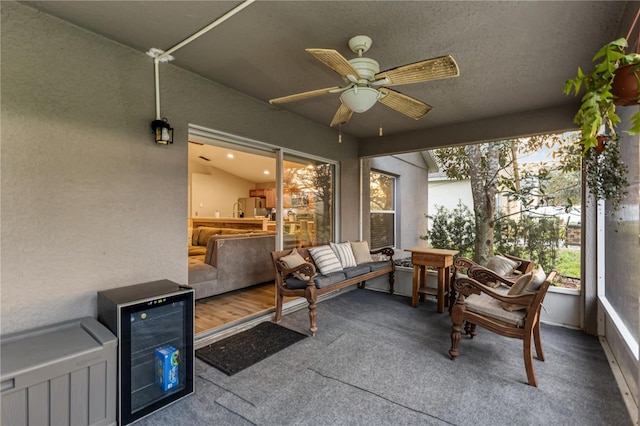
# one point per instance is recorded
(441, 284)
(447, 285)
(422, 282)
(416, 285)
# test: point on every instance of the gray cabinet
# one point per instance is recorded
(63, 374)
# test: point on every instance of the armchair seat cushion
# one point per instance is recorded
(486, 305)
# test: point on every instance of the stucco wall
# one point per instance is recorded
(89, 202)
(411, 196)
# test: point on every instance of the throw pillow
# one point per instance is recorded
(292, 260)
(344, 253)
(502, 265)
(538, 278)
(361, 252)
(325, 259)
(518, 288)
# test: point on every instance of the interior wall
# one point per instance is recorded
(216, 190)
(89, 202)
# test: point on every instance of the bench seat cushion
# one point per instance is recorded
(376, 266)
(354, 271)
(320, 280)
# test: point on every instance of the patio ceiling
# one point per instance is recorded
(513, 56)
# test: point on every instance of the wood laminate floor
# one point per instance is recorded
(219, 310)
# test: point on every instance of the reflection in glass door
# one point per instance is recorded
(308, 202)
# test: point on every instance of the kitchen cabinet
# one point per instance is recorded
(270, 197)
(268, 194)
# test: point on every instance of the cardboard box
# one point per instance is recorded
(167, 367)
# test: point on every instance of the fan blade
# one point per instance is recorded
(303, 95)
(404, 104)
(343, 115)
(431, 69)
(335, 61)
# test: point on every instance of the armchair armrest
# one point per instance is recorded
(387, 251)
(307, 269)
(485, 275)
(463, 263)
(466, 286)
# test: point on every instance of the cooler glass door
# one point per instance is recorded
(156, 354)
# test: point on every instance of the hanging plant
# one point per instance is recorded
(598, 106)
(606, 173)
(614, 81)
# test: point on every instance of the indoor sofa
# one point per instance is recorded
(231, 261)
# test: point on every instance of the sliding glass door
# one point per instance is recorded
(232, 178)
(307, 202)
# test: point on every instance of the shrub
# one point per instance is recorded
(537, 239)
(531, 238)
(452, 229)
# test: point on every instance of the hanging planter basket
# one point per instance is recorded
(625, 85)
(602, 143)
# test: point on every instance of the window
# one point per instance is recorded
(621, 251)
(382, 194)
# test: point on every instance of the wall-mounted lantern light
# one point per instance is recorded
(163, 131)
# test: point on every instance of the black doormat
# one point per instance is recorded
(242, 350)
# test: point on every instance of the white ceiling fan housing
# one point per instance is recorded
(366, 85)
(366, 67)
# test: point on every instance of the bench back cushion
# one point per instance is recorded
(325, 259)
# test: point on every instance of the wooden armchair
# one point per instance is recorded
(525, 266)
(478, 304)
(486, 276)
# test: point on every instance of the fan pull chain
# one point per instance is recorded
(339, 133)
(380, 131)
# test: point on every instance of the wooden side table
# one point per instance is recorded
(442, 259)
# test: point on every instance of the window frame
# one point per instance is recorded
(393, 211)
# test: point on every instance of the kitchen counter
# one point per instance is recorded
(261, 223)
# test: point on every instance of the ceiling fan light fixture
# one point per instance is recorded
(360, 99)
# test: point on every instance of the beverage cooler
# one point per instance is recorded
(154, 326)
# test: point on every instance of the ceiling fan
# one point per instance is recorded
(366, 85)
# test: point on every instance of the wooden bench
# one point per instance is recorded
(313, 290)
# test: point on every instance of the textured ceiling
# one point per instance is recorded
(514, 56)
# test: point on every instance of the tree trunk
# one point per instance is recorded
(483, 190)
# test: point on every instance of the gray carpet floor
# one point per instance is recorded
(377, 361)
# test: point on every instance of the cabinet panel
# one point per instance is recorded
(260, 192)
(270, 195)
